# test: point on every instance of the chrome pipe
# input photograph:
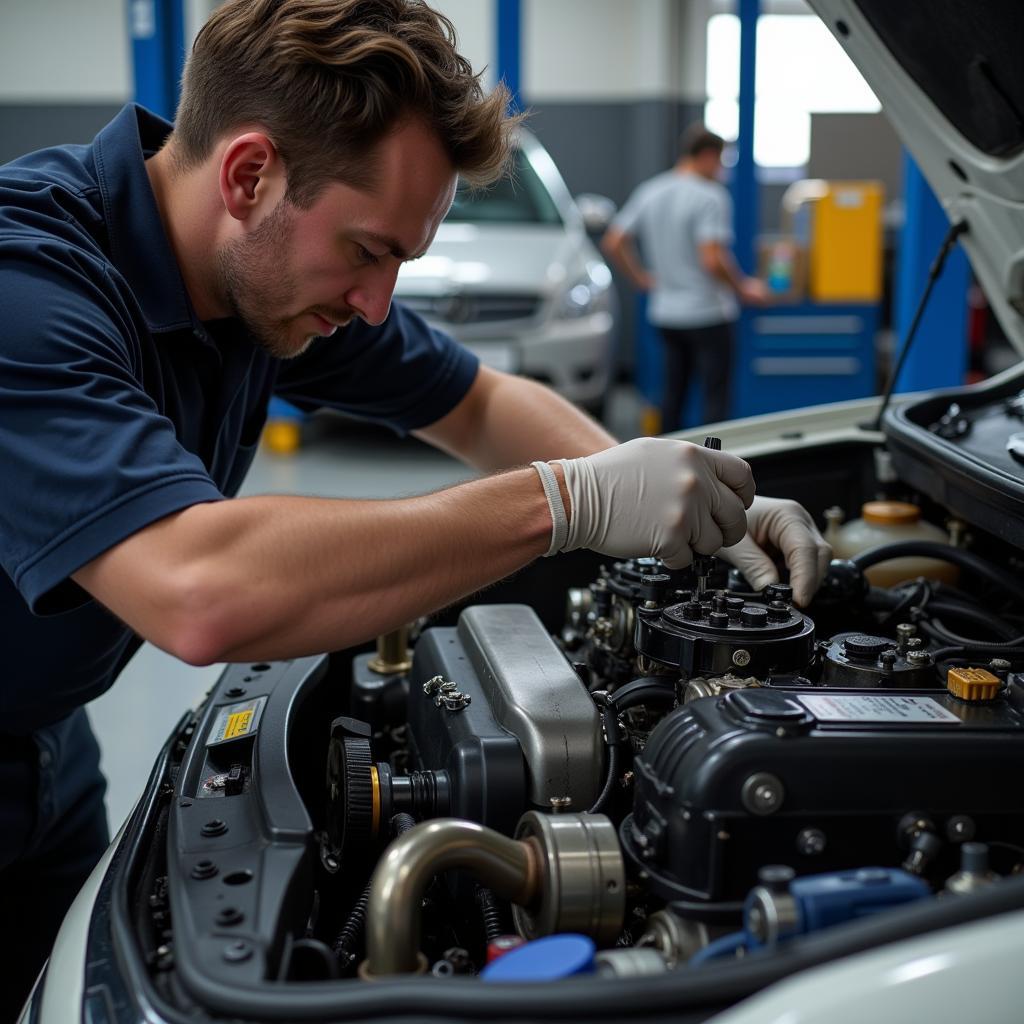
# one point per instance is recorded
(509, 867)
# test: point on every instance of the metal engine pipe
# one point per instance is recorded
(509, 867)
(563, 872)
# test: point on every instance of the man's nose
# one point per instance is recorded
(371, 296)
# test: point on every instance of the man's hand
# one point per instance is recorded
(656, 496)
(753, 292)
(781, 525)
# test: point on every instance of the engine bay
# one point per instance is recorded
(634, 772)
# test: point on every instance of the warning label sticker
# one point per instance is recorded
(236, 721)
(875, 708)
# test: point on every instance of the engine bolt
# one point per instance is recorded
(228, 916)
(919, 658)
(762, 793)
(237, 952)
(960, 829)
(811, 842)
(741, 658)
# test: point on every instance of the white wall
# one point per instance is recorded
(475, 26)
(611, 50)
(64, 50)
(75, 51)
(80, 51)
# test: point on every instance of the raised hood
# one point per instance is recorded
(950, 77)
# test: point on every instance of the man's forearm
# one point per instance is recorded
(524, 421)
(279, 577)
(509, 421)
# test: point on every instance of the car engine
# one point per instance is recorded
(600, 767)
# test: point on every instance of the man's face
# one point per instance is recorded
(300, 274)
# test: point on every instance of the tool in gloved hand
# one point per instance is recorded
(702, 563)
(694, 500)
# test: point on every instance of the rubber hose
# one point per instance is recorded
(937, 630)
(946, 609)
(349, 939)
(653, 689)
(491, 913)
(981, 650)
(609, 782)
(720, 948)
(943, 552)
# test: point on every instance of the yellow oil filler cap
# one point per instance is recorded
(974, 684)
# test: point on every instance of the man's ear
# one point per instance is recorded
(252, 177)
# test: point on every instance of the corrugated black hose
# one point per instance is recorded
(349, 942)
(490, 911)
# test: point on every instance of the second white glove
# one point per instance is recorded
(656, 496)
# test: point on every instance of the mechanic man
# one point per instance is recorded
(683, 220)
(158, 287)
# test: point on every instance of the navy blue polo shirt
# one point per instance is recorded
(118, 406)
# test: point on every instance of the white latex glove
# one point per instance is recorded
(656, 496)
(784, 526)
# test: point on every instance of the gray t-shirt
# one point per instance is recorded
(670, 215)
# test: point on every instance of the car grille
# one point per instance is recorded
(472, 309)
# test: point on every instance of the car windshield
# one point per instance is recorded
(518, 198)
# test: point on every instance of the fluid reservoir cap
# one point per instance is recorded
(766, 705)
(974, 684)
(890, 513)
(860, 645)
(547, 959)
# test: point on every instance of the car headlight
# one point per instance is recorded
(587, 294)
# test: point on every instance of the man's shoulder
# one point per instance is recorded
(51, 196)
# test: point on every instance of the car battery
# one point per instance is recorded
(820, 780)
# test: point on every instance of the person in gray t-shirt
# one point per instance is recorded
(682, 219)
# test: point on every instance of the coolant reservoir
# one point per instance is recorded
(887, 522)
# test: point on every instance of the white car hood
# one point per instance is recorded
(506, 258)
(964, 48)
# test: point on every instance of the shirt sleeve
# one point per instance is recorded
(404, 373)
(87, 457)
(629, 215)
(714, 219)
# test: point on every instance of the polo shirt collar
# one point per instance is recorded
(139, 246)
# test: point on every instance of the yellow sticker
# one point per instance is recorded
(236, 721)
(238, 724)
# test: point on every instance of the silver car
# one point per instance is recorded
(514, 277)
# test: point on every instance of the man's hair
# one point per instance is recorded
(697, 139)
(328, 79)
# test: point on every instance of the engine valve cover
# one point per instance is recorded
(815, 779)
(725, 633)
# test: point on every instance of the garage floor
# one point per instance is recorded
(339, 459)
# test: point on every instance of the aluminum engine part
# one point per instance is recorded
(583, 878)
(534, 693)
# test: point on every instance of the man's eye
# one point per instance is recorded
(366, 256)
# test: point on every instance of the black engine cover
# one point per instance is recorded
(727, 784)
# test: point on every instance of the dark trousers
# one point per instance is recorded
(53, 830)
(702, 351)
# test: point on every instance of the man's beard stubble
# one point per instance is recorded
(255, 279)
